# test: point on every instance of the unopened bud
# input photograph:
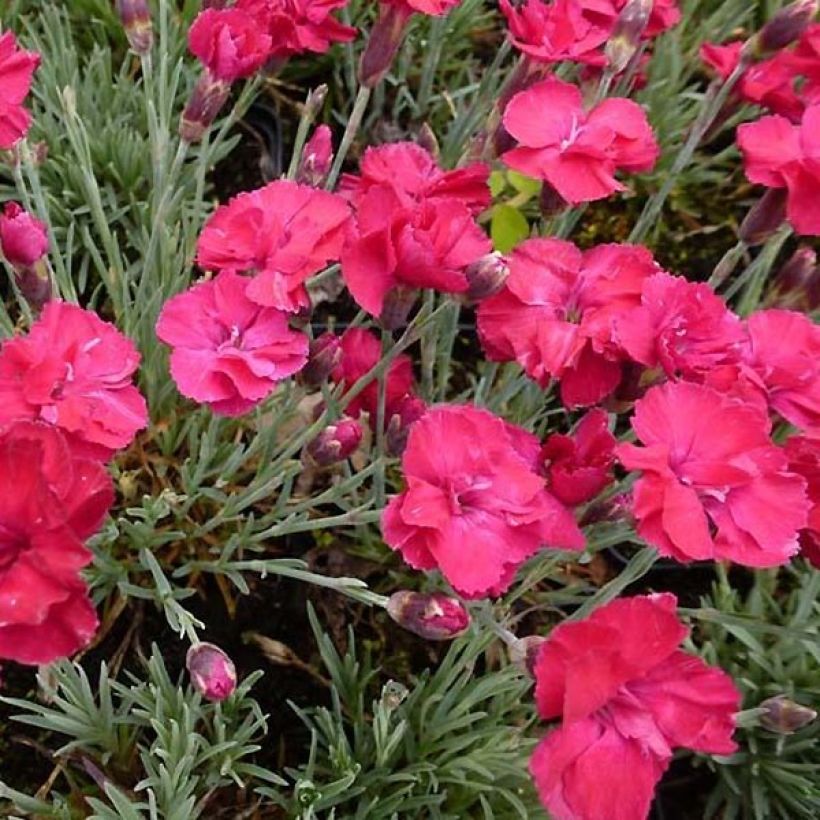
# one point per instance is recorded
(23, 237)
(797, 283)
(523, 652)
(317, 157)
(784, 716)
(428, 140)
(550, 202)
(787, 25)
(410, 410)
(764, 217)
(383, 43)
(35, 284)
(207, 99)
(325, 354)
(136, 20)
(315, 101)
(397, 306)
(433, 616)
(212, 672)
(622, 45)
(336, 442)
(486, 277)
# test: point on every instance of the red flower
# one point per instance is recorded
(230, 43)
(804, 459)
(556, 313)
(49, 502)
(713, 486)
(627, 697)
(283, 233)
(74, 371)
(681, 327)
(361, 352)
(299, 26)
(474, 507)
(414, 224)
(23, 238)
(778, 154)
(432, 8)
(17, 68)
(228, 351)
(577, 151)
(579, 467)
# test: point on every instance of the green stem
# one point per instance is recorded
(431, 61)
(352, 128)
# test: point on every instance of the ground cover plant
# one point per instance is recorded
(409, 409)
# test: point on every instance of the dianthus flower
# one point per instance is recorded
(50, 501)
(577, 151)
(579, 466)
(627, 697)
(299, 26)
(712, 484)
(283, 233)
(804, 459)
(74, 370)
(230, 43)
(474, 506)
(682, 327)
(228, 352)
(414, 226)
(17, 68)
(556, 313)
(780, 154)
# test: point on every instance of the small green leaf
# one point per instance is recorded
(508, 227)
(522, 184)
(497, 183)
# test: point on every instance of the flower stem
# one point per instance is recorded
(353, 125)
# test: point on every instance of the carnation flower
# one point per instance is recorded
(414, 225)
(804, 459)
(577, 151)
(228, 352)
(556, 313)
(474, 506)
(230, 43)
(712, 485)
(283, 233)
(49, 502)
(664, 14)
(579, 467)
(627, 698)
(73, 370)
(780, 154)
(23, 237)
(17, 68)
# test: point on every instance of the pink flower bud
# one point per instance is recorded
(212, 672)
(626, 37)
(383, 44)
(764, 217)
(23, 238)
(428, 140)
(397, 306)
(784, 716)
(317, 157)
(485, 277)
(136, 20)
(433, 616)
(336, 442)
(787, 25)
(325, 354)
(797, 283)
(409, 410)
(208, 97)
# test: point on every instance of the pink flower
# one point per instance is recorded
(230, 43)
(299, 26)
(577, 151)
(283, 233)
(579, 467)
(73, 370)
(681, 327)
(556, 314)
(414, 225)
(317, 158)
(228, 352)
(627, 697)
(432, 8)
(804, 459)
(50, 501)
(779, 154)
(17, 68)
(474, 506)
(664, 15)
(712, 484)
(23, 238)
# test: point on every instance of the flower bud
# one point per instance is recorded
(524, 652)
(787, 25)
(383, 44)
(23, 238)
(485, 277)
(317, 157)
(550, 202)
(410, 409)
(336, 442)
(797, 283)
(764, 217)
(397, 306)
(433, 616)
(622, 45)
(212, 672)
(325, 354)
(784, 716)
(315, 101)
(208, 97)
(136, 20)
(428, 140)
